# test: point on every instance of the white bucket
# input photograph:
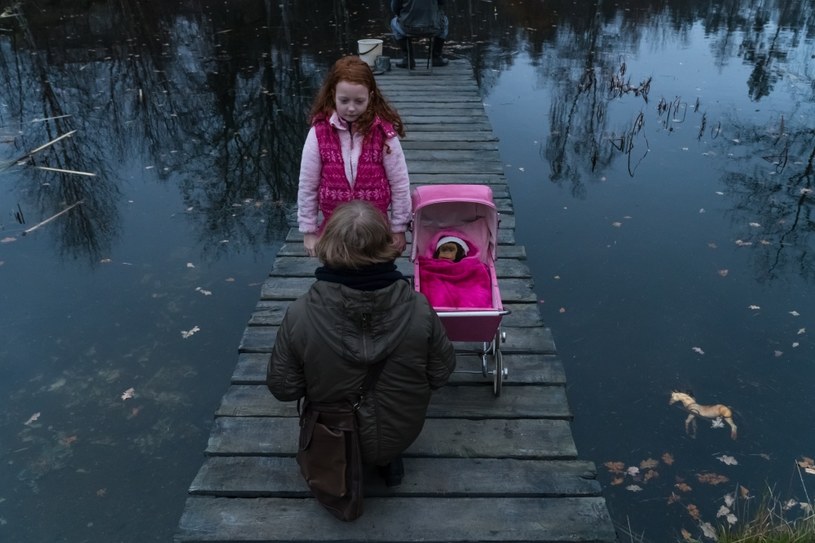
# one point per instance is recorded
(369, 49)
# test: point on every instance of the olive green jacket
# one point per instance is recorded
(332, 335)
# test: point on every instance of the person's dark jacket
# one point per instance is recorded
(332, 335)
(419, 16)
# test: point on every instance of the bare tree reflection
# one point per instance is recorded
(35, 91)
(774, 211)
(579, 141)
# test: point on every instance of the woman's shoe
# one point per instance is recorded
(392, 473)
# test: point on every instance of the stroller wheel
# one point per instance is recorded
(499, 373)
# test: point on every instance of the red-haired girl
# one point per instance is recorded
(352, 152)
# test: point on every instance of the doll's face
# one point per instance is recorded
(448, 251)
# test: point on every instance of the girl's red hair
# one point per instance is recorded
(355, 70)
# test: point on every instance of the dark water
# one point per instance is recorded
(660, 156)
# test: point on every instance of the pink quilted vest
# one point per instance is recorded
(371, 183)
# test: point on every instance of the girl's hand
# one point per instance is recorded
(309, 241)
(399, 241)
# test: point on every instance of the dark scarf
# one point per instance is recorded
(372, 277)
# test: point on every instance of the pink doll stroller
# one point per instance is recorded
(464, 292)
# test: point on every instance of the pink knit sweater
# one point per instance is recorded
(311, 173)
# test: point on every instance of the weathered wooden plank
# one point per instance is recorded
(295, 248)
(409, 146)
(513, 290)
(271, 312)
(449, 438)
(450, 125)
(415, 122)
(428, 520)
(266, 476)
(413, 85)
(287, 288)
(251, 368)
(402, 96)
(441, 84)
(453, 167)
(453, 155)
(522, 315)
(404, 100)
(472, 402)
(537, 340)
(476, 135)
(451, 178)
(294, 266)
(260, 339)
(524, 369)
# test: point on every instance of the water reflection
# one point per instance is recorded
(191, 118)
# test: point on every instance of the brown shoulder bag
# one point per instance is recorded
(329, 452)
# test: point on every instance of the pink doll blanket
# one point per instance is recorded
(465, 283)
(462, 284)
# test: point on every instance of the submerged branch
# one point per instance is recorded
(51, 218)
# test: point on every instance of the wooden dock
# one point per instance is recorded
(484, 468)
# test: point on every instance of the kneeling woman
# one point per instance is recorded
(360, 311)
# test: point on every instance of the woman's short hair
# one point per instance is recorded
(356, 235)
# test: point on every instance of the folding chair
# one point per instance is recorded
(429, 36)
